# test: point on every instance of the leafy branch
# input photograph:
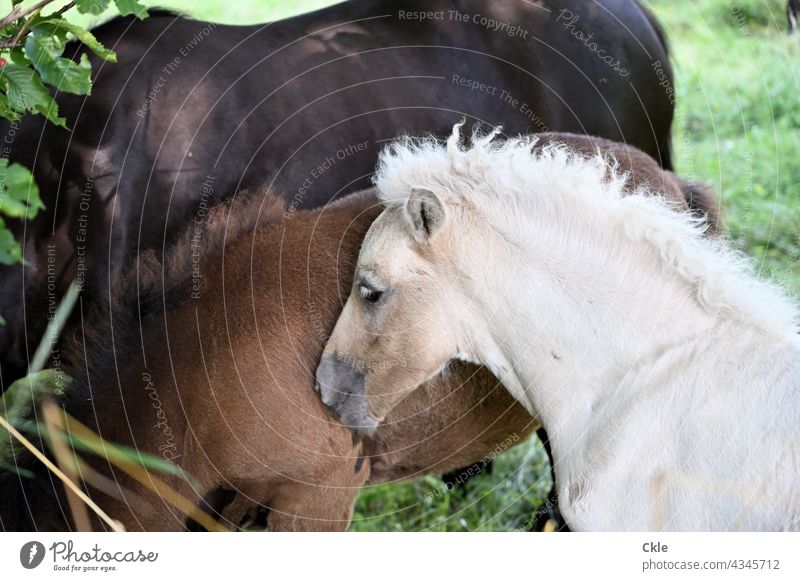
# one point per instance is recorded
(32, 69)
(17, 12)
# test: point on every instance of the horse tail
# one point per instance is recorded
(703, 202)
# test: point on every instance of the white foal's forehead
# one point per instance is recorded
(386, 249)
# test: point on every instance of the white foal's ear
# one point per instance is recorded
(425, 213)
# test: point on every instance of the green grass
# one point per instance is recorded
(504, 500)
(738, 120)
(737, 128)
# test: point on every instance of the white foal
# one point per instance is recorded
(666, 374)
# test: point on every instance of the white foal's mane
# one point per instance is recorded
(507, 180)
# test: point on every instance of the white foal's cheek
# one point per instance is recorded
(403, 337)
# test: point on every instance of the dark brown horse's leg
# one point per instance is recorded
(457, 479)
(213, 504)
(548, 517)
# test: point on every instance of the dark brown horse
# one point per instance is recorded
(207, 359)
(194, 111)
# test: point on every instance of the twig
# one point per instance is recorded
(24, 29)
(19, 12)
(63, 9)
(114, 525)
(14, 42)
(53, 421)
(102, 483)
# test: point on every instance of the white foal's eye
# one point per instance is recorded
(369, 294)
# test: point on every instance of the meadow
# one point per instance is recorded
(737, 128)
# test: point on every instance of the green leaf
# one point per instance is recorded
(10, 30)
(10, 250)
(123, 453)
(26, 92)
(6, 111)
(17, 402)
(102, 448)
(126, 7)
(95, 7)
(19, 194)
(66, 75)
(18, 56)
(57, 26)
